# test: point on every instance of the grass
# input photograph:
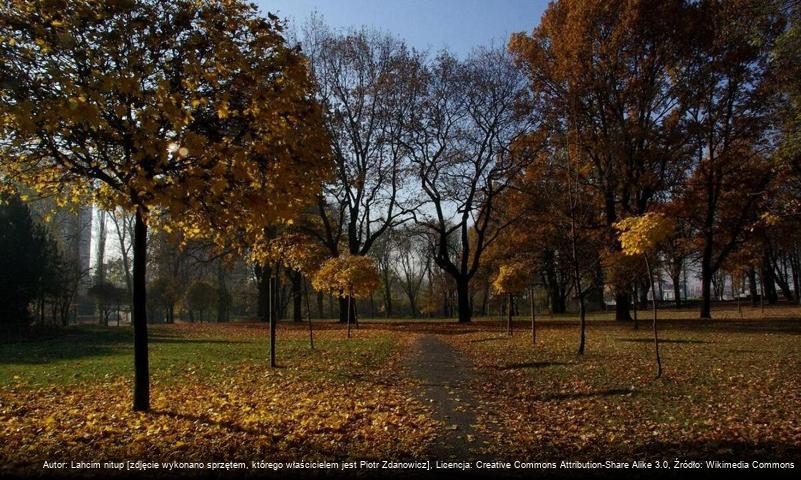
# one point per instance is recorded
(89, 353)
(731, 389)
(68, 396)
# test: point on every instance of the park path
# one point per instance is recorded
(444, 374)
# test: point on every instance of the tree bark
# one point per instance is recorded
(706, 282)
(263, 282)
(308, 317)
(141, 397)
(345, 305)
(463, 299)
(297, 300)
(509, 314)
(656, 336)
(622, 309)
(533, 316)
(752, 287)
(676, 289)
(272, 319)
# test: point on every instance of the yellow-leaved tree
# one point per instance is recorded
(512, 278)
(348, 276)
(298, 253)
(198, 114)
(641, 235)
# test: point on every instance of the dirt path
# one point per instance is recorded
(444, 373)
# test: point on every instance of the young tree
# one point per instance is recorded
(512, 278)
(348, 276)
(198, 112)
(641, 236)
(302, 256)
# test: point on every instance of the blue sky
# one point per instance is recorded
(458, 25)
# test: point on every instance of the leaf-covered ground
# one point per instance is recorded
(213, 398)
(730, 390)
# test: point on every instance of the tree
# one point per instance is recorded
(512, 278)
(165, 293)
(109, 298)
(462, 128)
(640, 236)
(302, 256)
(25, 264)
(607, 74)
(200, 298)
(195, 112)
(410, 261)
(729, 112)
(365, 83)
(348, 276)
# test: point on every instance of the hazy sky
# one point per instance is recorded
(458, 25)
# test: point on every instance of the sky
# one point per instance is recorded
(456, 25)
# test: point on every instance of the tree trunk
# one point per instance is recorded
(676, 289)
(141, 397)
(387, 295)
(509, 314)
(263, 283)
(297, 300)
(533, 316)
(706, 282)
(752, 286)
(463, 299)
(769, 287)
(622, 309)
(349, 312)
(656, 337)
(272, 319)
(412, 304)
(308, 318)
(345, 305)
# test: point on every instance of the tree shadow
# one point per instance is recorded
(88, 343)
(228, 425)
(612, 392)
(661, 340)
(524, 365)
(488, 339)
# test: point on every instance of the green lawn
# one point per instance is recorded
(90, 353)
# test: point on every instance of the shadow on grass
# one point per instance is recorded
(488, 339)
(661, 340)
(612, 392)
(520, 366)
(83, 342)
(304, 444)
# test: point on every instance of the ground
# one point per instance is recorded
(731, 389)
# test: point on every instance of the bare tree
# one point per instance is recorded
(365, 82)
(463, 125)
(411, 261)
(123, 225)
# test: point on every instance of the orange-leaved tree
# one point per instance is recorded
(348, 276)
(194, 112)
(641, 235)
